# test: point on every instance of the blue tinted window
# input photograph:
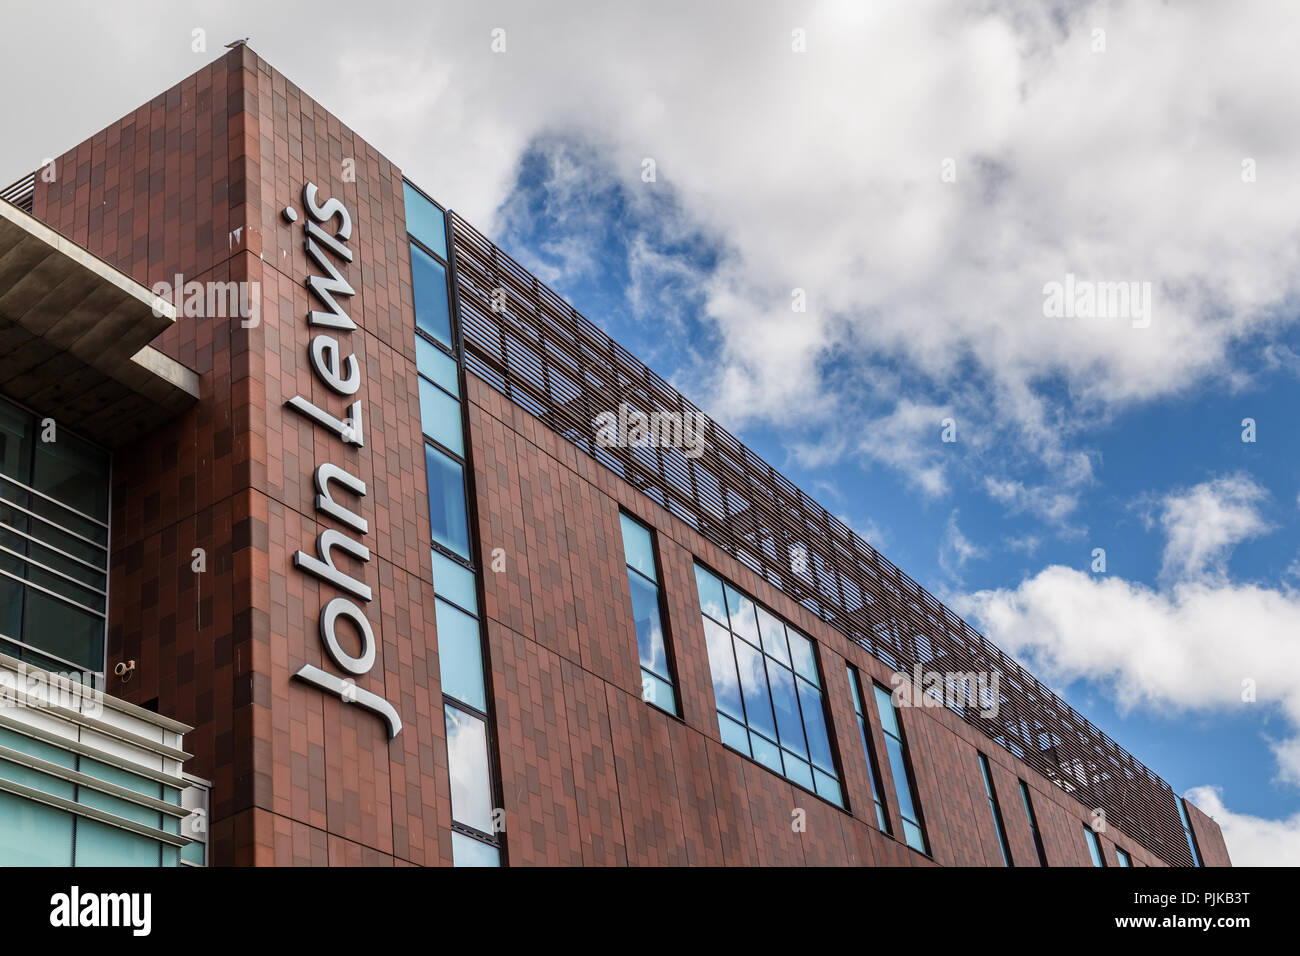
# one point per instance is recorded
(868, 751)
(425, 221)
(904, 785)
(436, 364)
(772, 632)
(460, 659)
(649, 630)
(652, 646)
(711, 601)
(466, 851)
(429, 281)
(765, 709)
(471, 788)
(440, 417)
(1094, 847)
(753, 682)
(722, 662)
(1123, 857)
(801, 652)
(454, 582)
(996, 810)
(786, 702)
(741, 611)
(1187, 832)
(638, 548)
(447, 519)
(814, 722)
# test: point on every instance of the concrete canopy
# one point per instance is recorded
(75, 334)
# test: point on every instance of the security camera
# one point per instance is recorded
(124, 670)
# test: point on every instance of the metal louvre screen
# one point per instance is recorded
(525, 341)
(22, 193)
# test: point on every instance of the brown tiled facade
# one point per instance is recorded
(193, 183)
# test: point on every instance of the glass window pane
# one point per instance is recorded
(773, 633)
(74, 472)
(440, 417)
(857, 695)
(15, 444)
(467, 755)
(425, 221)
(766, 752)
(658, 692)
(798, 770)
(446, 501)
(786, 701)
(828, 787)
(429, 280)
(59, 628)
(649, 627)
(801, 651)
(902, 786)
(1094, 847)
(638, 548)
(466, 851)
(460, 659)
(753, 681)
(741, 611)
(711, 601)
(99, 844)
(726, 688)
(33, 834)
(914, 837)
(454, 582)
(885, 708)
(733, 734)
(814, 722)
(436, 364)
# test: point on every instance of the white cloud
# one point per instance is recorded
(1203, 524)
(1251, 841)
(956, 550)
(822, 170)
(1052, 506)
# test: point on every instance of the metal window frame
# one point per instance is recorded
(845, 806)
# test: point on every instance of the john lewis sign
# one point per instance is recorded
(327, 229)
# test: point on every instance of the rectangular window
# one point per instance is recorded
(1123, 857)
(53, 545)
(424, 220)
(432, 311)
(873, 768)
(1094, 847)
(476, 830)
(767, 688)
(1033, 823)
(997, 811)
(1187, 832)
(447, 519)
(643, 582)
(900, 767)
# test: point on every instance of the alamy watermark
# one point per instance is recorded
(923, 688)
(632, 428)
(31, 687)
(213, 300)
(1087, 299)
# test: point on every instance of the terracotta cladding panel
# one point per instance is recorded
(1209, 838)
